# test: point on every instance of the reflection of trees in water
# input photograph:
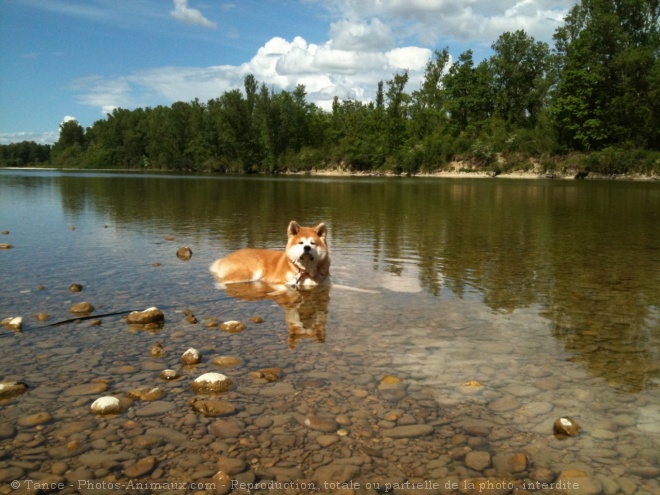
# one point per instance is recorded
(587, 252)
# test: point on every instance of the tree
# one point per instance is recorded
(469, 94)
(396, 112)
(71, 134)
(520, 68)
(607, 52)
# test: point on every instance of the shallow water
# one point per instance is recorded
(495, 307)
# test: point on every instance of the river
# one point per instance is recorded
(467, 316)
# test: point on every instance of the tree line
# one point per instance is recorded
(591, 102)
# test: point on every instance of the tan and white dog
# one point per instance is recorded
(304, 263)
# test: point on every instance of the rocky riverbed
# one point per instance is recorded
(463, 402)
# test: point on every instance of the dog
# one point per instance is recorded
(304, 263)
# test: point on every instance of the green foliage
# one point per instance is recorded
(24, 153)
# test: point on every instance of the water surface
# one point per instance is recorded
(493, 306)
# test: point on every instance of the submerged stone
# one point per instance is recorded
(106, 405)
(191, 356)
(11, 389)
(149, 315)
(566, 426)
(211, 383)
(233, 326)
(212, 408)
(184, 253)
(81, 308)
(13, 322)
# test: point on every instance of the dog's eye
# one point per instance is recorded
(301, 242)
(313, 243)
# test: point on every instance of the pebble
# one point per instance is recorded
(222, 483)
(106, 405)
(211, 383)
(75, 287)
(156, 408)
(191, 356)
(35, 419)
(140, 468)
(279, 389)
(581, 483)
(170, 435)
(10, 389)
(158, 351)
(184, 253)
(226, 428)
(504, 404)
(645, 471)
(478, 460)
(213, 407)
(81, 308)
(227, 361)
(13, 323)
(149, 315)
(233, 326)
(410, 431)
(320, 424)
(86, 389)
(169, 375)
(566, 426)
(231, 465)
(510, 463)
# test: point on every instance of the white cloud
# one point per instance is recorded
(69, 118)
(444, 21)
(187, 14)
(373, 35)
(37, 137)
(324, 70)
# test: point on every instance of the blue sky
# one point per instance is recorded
(63, 59)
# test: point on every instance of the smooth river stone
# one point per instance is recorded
(87, 389)
(409, 431)
(156, 408)
(504, 404)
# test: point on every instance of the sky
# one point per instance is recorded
(80, 59)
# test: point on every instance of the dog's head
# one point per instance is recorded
(307, 248)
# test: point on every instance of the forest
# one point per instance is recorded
(590, 103)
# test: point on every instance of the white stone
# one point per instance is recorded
(106, 405)
(191, 356)
(13, 322)
(211, 383)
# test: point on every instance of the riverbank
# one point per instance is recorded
(456, 171)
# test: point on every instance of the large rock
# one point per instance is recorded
(477, 460)
(106, 405)
(191, 356)
(409, 431)
(566, 426)
(11, 389)
(81, 308)
(184, 253)
(226, 428)
(211, 383)
(212, 407)
(13, 322)
(149, 315)
(576, 482)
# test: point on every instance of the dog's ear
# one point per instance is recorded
(293, 229)
(321, 230)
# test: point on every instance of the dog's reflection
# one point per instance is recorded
(305, 311)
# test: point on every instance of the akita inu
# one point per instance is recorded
(305, 262)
